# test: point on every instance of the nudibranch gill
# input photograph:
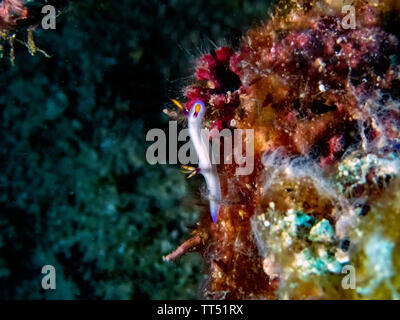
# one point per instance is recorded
(206, 166)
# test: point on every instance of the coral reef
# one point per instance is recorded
(323, 101)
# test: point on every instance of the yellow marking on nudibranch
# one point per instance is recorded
(178, 104)
(198, 107)
(192, 171)
(192, 174)
(190, 168)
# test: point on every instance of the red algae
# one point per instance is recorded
(11, 11)
(323, 102)
(17, 20)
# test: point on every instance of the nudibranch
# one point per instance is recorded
(206, 165)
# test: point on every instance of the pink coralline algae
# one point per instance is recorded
(218, 85)
(11, 11)
(323, 101)
(15, 20)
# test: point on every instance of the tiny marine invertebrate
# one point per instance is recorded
(201, 145)
(15, 18)
(324, 105)
(11, 11)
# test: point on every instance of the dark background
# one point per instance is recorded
(76, 191)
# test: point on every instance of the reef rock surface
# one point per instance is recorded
(322, 204)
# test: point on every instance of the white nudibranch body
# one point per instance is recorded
(202, 146)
